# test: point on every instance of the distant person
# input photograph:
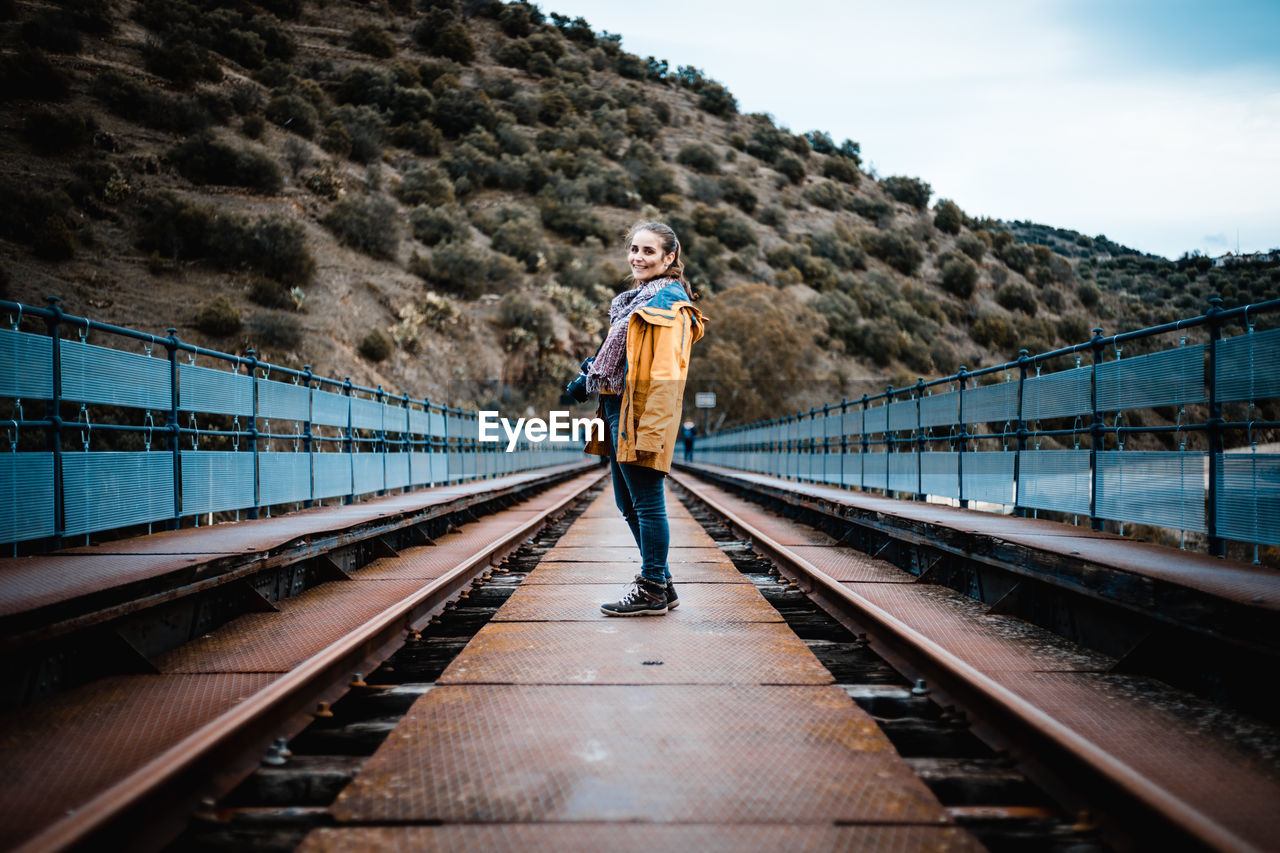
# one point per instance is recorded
(640, 372)
(687, 435)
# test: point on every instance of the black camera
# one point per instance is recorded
(577, 389)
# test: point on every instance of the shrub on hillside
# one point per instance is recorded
(948, 218)
(205, 159)
(1088, 294)
(826, 194)
(841, 169)
(467, 270)
(425, 185)
(994, 331)
(366, 223)
(218, 317)
(773, 216)
(791, 167)
(516, 20)
(895, 248)
(717, 100)
(54, 131)
(373, 40)
(1017, 256)
(654, 180)
(738, 192)
(377, 345)
(571, 219)
(912, 191)
(294, 113)
(972, 246)
(959, 276)
(1017, 297)
(149, 106)
(253, 126)
(840, 246)
(434, 225)
(366, 129)
(876, 210)
(521, 238)
(459, 111)
(700, 157)
(182, 62)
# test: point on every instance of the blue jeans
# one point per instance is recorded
(640, 495)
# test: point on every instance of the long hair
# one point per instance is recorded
(670, 245)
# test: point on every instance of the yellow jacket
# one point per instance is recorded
(659, 337)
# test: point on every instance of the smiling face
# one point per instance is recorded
(646, 258)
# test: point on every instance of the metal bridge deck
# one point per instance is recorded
(60, 753)
(556, 720)
(1182, 745)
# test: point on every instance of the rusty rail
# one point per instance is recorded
(1063, 762)
(144, 809)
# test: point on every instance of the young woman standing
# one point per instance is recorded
(640, 372)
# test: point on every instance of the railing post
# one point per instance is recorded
(53, 414)
(1020, 511)
(382, 440)
(1217, 546)
(173, 427)
(406, 445)
(890, 444)
(348, 443)
(253, 432)
(920, 495)
(962, 378)
(1095, 431)
(866, 447)
(307, 439)
(844, 437)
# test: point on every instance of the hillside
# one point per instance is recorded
(432, 198)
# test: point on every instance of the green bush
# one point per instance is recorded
(826, 194)
(377, 345)
(876, 210)
(434, 225)
(518, 311)
(895, 248)
(516, 20)
(204, 159)
(959, 275)
(366, 128)
(450, 40)
(177, 229)
(655, 180)
(459, 111)
(717, 100)
(468, 270)
(972, 246)
(738, 192)
(521, 238)
(182, 62)
(294, 113)
(912, 191)
(773, 216)
(791, 167)
(571, 219)
(994, 331)
(948, 218)
(840, 246)
(699, 157)
(841, 169)
(1017, 297)
(252, 126)
(373, 40)
(944, 357)
(366, 223)
(55, 131)
(150, 106)
(218, 318)
(734, 232)
(425, 185)
(1017, 256)
(1073, 329)
(1088, 294)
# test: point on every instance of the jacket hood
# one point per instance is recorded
(672, 298)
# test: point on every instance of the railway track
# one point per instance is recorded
(263, 777)
(1134, 808)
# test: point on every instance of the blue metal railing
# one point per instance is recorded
(977, 436)
(272, 436)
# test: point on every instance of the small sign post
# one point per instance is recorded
(705, 400)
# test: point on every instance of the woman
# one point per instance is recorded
(640, 372)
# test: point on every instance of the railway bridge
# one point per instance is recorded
(1029, 606)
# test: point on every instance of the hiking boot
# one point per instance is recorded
(645, 598)
(673, 601)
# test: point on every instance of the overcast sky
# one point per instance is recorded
(1155, 122)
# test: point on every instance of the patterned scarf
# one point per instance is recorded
(609, 370)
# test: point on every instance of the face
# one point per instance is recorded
(645, 256)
